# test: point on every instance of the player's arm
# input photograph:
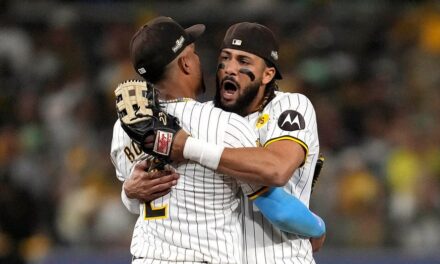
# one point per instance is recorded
(272, 165)
(144, 185)
(133, 205)
(289, 214)
(141, 186)
(138, 184)
(284, 210)
(122, 163)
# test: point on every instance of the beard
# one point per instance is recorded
(243, 101)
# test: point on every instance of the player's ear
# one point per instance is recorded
(184, 61)
(268, 75)
(184, 64)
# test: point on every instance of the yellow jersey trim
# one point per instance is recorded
(303, 145)
(259, 192)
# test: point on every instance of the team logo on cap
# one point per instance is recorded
(179, 44)
(142, 70)
(236, 42)
(274, 54)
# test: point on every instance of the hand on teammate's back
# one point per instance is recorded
(147, 186)
(317, 243)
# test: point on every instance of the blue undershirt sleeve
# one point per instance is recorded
(289, 214)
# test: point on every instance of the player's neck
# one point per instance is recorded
(255, 105)
(171, 90)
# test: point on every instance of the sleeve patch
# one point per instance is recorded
(291, 120)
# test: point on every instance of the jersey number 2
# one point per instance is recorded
(152, 212)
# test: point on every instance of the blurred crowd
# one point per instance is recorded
(372, 70)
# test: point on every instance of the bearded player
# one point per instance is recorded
(286, 127)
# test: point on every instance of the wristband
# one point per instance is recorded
(207, 154)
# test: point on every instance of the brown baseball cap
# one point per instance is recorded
(256, 39)
(158, 42)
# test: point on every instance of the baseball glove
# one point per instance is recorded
(143, 120)
(318, 168)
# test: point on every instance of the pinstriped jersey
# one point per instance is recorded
(200, 219)
(289, 116)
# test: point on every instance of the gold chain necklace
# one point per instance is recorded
(266, 101)
(177, 100)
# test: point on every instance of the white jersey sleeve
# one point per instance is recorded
(294, 118)
(239, 134)
(133, 205)
(124, 154)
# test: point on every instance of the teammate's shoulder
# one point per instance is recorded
(291, 96)
(287, 99)
(209, 108)
(210, 103)
(117, 124)
(201, 104)
(194, 105)
(230, 115)
(284, 101)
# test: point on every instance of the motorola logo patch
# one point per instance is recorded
(291, 120)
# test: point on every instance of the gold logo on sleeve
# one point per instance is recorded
(262, 120)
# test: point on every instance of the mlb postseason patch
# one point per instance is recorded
(291, 120)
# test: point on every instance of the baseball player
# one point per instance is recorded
(286, 128)
(198, 222)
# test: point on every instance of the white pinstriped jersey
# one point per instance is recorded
(199, 221)
(287, 116)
